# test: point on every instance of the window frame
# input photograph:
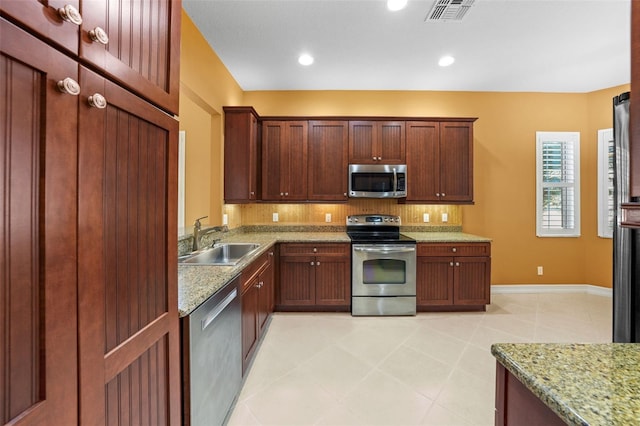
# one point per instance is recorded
(555, 137)
(605, 228)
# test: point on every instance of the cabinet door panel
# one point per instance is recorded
(249, 322)
(392, 142)
(272, 166)
(333, 284)
(434, 285)
(266, 294)
(240, 155)
(328, 152)
(472, 280)
(456, 156)
(294, 181)
(127, 216)
(42, 17)
(144, 45)
(362, 136)
(423, 164)
(38, 123)
(297, 285)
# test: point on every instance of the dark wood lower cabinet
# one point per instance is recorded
(257, 303)
(518, 406)
(453, 276)
(38, 158)
(314, 277)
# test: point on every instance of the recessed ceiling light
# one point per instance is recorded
(395, 5)
(305, 59)
(445, 61)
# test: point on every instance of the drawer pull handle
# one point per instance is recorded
(97, 101)
(70, 14)
(99, 35)
(69, 86)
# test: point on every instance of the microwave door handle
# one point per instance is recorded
(395, 180)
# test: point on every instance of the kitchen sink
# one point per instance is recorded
(224, 254)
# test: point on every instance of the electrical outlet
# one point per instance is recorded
(225, 219)
(445, 217)
(327, 217)
(425, 217)
(275, 217)
(540, 270)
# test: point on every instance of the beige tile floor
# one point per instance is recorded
(432, 369)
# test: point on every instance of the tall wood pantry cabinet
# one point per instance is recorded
(89, 159)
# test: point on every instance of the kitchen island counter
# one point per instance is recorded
(584, 384)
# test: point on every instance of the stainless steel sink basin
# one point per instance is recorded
(224, 254)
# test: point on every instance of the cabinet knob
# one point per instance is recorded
(454, 249)
(97, 101)
(312, 263)
(345, 194)
(286, 194)
(99, 35)
(457, 263)
(379, 158)
(317, 263)
(270, 253)
(315, 250)
(450, 263)
(252, 193)
(437, 194)
(443, 194)
(374, 158)
(282, 194)
(70, 14)
(69, 86)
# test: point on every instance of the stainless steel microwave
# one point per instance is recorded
(377, 180)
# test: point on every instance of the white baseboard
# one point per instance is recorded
(552, 288)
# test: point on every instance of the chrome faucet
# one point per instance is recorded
(198, 233)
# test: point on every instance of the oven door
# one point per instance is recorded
(383, 270)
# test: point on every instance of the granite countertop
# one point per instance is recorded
(196, 283)
(585, 384)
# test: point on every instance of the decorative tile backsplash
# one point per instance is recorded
(316, 214)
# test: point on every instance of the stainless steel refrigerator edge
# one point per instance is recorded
(625, 240)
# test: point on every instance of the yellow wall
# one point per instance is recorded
(205, 86)
(504, 161)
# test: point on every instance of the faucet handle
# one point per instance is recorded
(197, 222)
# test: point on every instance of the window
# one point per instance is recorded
(605, 183)
(558, 184)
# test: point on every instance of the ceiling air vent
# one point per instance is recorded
(449, 10)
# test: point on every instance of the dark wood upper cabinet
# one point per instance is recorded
(135, 43)
(377, 142)
(284, 160)
(440, 161)
(143, 48)
(327, 163)
(241, 155)
(38, 359)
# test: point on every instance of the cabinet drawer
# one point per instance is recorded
(306, 249)
(454, 249)
(251, 271)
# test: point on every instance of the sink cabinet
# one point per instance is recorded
(453, 276)
(284, 160)
(314, 277)
(377, 142)
(257, 288)
(440, 161)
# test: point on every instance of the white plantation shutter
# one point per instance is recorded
(605, 183)
(558, 184)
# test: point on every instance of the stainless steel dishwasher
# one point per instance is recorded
(212, 368)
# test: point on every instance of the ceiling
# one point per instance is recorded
(499, 45)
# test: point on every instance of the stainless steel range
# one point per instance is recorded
(383, 272)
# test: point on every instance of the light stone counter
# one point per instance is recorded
(584, 384)
(196, 283)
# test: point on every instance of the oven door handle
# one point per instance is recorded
(385, 250)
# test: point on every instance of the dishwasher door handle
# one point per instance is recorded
(213, 314)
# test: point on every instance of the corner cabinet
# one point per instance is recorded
(440, 161)
(377, 142)
(241, 155)
(314, 277)
(453, 276)
(284, 160)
